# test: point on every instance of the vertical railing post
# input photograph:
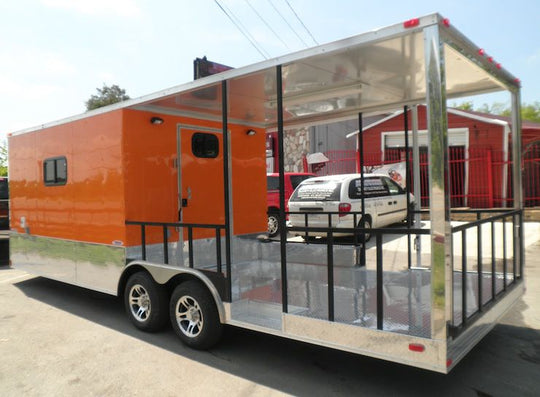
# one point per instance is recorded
(504, 253)
(479, 260)
(380, 302)
(493, 286)
(190, 244)
(464, 277)
(330, 269)
(143, 241)
(514, 247)
(165, 246)
(218, 249)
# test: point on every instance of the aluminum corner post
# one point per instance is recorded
(439, 204)
(517, 174)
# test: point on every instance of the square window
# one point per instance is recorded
(205, 145)
(55, 171)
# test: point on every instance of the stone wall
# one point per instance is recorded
(296, 144)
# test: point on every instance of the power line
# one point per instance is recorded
(287, 22)
(297, 17)
(267, 24)
(242, 29)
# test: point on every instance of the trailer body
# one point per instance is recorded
(162, 200)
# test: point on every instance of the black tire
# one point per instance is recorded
(273, 224)
(194, 315)
(145, 302)
(365, 237)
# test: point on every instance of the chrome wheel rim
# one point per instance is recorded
(139, 303)
(272, 225)
(189, 316)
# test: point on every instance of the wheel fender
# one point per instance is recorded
(163, 273)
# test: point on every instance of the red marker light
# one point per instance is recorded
(498, 65)
(417, 347)
(446, 22)
(490, 59)
(481, 52)
(517, 81)
(411, 23)
(449, 362)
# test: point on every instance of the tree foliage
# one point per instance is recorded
(106, 96)
(3, 158)
(529, 111)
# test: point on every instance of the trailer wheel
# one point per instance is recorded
(194, 315)
(273, 224)
(145, 302)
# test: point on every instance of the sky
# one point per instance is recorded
(55, 53)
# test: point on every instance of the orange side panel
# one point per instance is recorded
(121, 167)
(249, 181)
(151, 179)
(90, 206)
(150, 174)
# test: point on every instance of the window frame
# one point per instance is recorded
(57, 180)
(206, 139)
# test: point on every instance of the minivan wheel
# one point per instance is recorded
(273, 224)
(367, 225)
(194, 315)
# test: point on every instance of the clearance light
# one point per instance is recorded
(481, 52)
(490, 59)
(517, 81)
(417, 347)
(411, 23)
(449, 362)
(446, 22)
(498, 65)
(344, 208)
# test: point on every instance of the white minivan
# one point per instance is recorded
(385, 201)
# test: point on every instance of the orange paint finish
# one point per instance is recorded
(90, 207)
(121, 167)
(249, 181)
(150, 153)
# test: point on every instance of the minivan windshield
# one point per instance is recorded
(317, 191)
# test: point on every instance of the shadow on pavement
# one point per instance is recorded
(506, 362)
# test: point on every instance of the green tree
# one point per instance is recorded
(3, 158)
(529, 111)
(106, 96)
(468, 105)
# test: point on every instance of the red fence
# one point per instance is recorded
(479, 178)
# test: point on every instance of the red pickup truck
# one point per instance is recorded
(292, 180)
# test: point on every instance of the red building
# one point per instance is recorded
(480, 155)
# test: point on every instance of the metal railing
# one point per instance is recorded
(190, 227)
(357, 233)
(494, 217)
